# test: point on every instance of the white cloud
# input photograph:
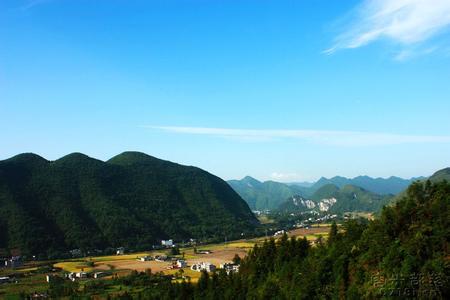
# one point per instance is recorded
(408, 23)
(288, 177)
(327, 137)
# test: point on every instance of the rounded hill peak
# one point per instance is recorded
(440, 175)
(250, 179)
(131, 158)
(75, 157)
(26, 158)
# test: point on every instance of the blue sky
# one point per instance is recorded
(282, 90)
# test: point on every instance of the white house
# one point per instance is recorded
(280, 232)
(81, 275)
(120, 251)
(206, 266)
(146, 258)
(230, 267)
(181, 263)
(167, 243)
(5, 279)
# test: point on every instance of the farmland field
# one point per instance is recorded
(121, 265)
(220, 253)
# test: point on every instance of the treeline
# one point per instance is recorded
(402, 254)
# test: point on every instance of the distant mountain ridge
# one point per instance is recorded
(383, 186)
(270, 195)
(131, 200)
(264, 195)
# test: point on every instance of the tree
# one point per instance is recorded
(202, 284)
(175, 250)
(236, 259)
(333, 233)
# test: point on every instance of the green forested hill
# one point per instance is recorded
(264, 195)
(441, 175)
(353, 198)
(438, 176)
(131, 200)
(333, 199)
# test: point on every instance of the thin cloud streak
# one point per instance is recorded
(405, 22)
(33, 3)
(289, 177)
(326, 137)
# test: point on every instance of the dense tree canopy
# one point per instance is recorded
(132, 200)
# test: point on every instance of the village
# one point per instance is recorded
(181, 263)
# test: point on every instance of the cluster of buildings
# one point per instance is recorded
(209, 267)
(73, 276)
(230, 268)
(279, 232)
(307, 223)
(261, 212)
(167, 243)
(78, 275)
(203, 266)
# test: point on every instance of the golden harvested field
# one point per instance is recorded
(307, 232)
(133, 264)
(74, 266)
(221, 253)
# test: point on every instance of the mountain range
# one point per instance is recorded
(264, 195)
(132, 200)
(383, 186)
(270, 195)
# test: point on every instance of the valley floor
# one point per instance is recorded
(29, 279)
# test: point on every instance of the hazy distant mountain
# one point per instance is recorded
(384, 186)
(302, 184)
(331, 198)
(264, 195)
(132, 200)
(270, 194)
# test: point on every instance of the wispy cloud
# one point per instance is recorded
(288, 177)
(408, 23)
(32, 3)
(327, 137)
